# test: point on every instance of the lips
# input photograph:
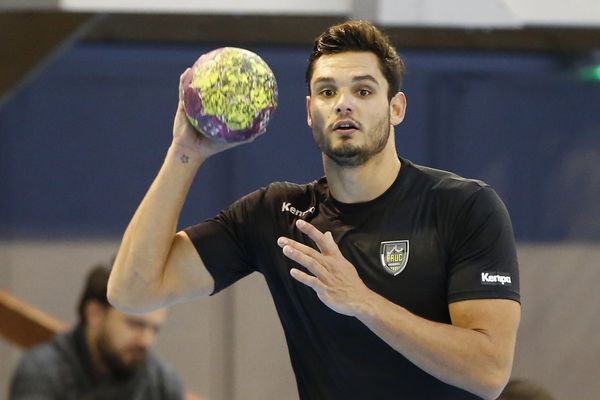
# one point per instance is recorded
(346, 125)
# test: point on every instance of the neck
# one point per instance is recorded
(364, 182)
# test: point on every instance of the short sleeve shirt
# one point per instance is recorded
(431, 239)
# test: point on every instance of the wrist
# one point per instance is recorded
(185, 154)
(367, 307)
(374, 308)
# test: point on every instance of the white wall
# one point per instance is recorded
(231, 346)
(459, 13)
(456, 13)
(210, 7)
(228, 347)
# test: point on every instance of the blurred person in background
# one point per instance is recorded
(523, 389)
(106, 356)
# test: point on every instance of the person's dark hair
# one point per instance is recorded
(522, 389)
(360, 36)
(95, 289)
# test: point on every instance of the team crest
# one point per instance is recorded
(394, 256)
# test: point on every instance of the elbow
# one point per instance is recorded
(492, 385)
(118, 297)
(127, 305)
(114, 298)
(493, 373)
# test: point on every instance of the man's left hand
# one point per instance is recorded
(333, 278)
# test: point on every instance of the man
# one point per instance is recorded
(391, 280)
(106, 356)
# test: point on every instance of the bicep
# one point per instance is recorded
(498, 319)
(185, 274)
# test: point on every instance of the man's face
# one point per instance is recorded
(348, 109)
(123, 340)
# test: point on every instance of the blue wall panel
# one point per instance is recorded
(523, 136)
(80, 145)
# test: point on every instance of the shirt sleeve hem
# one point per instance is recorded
(484, 294)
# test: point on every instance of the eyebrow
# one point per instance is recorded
(145, 324)
(365, 78)
(359, 78)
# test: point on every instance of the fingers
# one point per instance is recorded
(314, 261)
(283, 241)
(305, 278)
(183, 74)
(182, 78)
(180, 117)
(303, 255)
(324, 241)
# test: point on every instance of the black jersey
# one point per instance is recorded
(431, 239)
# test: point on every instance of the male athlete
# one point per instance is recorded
(391, 280)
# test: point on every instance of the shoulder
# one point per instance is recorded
(278, 190)
(45, 354)
(41, 369)
(446, 183)
(159, 366)
(452, 194)
(163, 374)
(277, 193)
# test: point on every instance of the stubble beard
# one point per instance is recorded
(348, 154)
(114, 361)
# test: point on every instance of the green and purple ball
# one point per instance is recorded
(230, 94)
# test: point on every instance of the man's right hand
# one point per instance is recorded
(186, 138)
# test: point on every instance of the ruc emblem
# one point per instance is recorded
(394, 256)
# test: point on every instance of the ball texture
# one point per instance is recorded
(230, 94)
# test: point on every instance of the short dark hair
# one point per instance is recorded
(360, 36)
(95, 289)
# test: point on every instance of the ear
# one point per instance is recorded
(308, 116)
(397, 108)
(94, 313)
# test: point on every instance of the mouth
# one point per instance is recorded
(138, 354)
(345, 127)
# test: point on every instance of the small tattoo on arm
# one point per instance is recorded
(184, 159)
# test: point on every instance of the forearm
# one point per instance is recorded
(463, 357)
(137, 279)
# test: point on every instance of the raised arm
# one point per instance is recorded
(155, 265)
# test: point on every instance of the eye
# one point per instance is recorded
(364, 92)
(327, 92)
(135, 324)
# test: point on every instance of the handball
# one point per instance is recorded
(229, 94)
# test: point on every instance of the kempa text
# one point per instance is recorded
(501, 279)
(286, 207)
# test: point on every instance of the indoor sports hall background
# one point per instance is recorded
(82, 138)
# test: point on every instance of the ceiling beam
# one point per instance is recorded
(29, 38)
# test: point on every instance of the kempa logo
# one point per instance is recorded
(488, 278)
(287, 207)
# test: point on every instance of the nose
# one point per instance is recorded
(146, 338)
(344, 104)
